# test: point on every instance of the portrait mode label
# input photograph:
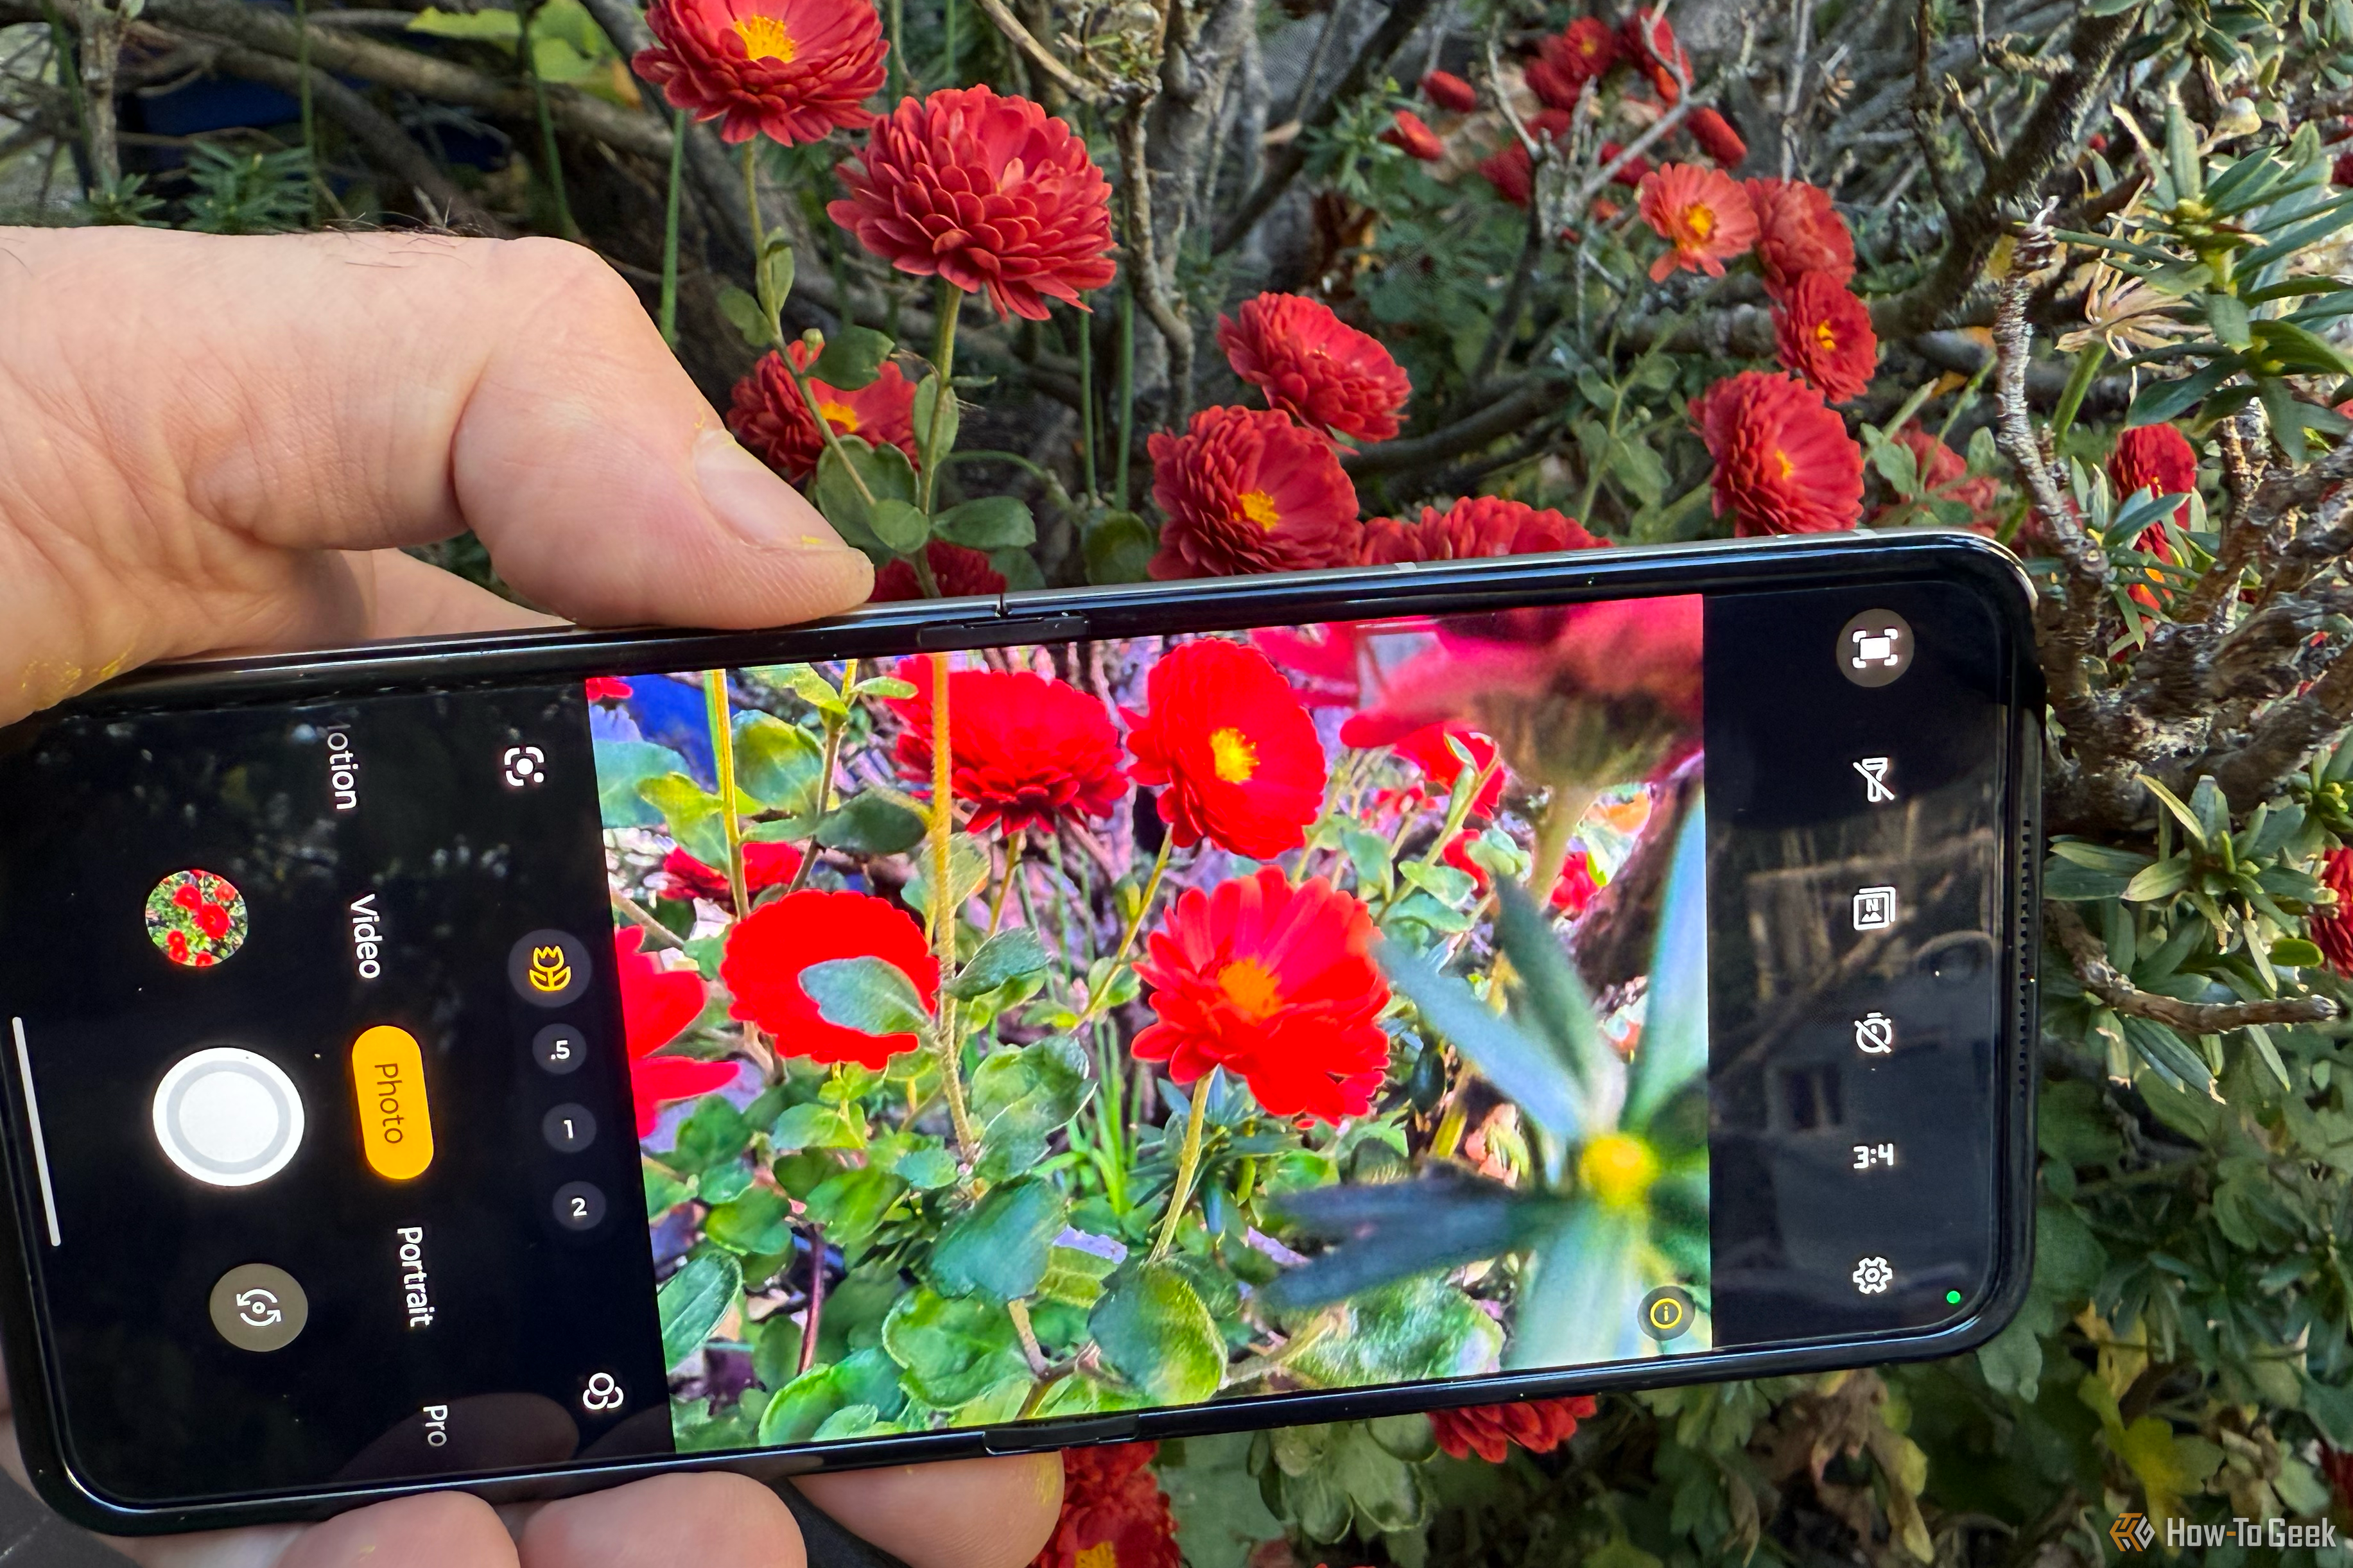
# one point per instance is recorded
(396, 1123)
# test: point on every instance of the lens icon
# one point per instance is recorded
(1666, 1313)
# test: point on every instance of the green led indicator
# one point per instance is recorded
(1952, 1298)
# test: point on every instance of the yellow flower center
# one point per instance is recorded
(1824, 336)
(1788, 468)
(1235, 758)
(840, 415)
(1250, 986)
(765, 38)
(1259, 507)
(1700, 220)
(1618, 1170)
(1101, 1554)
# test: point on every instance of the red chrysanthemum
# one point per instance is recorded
(609, 688)
(1566, 60)
(2332, 929)
(2157, 458)
(1450, 92)
(766, 866)
(1114, 1514)
(1716, 138)
(1784, 462)
(1023, 749)
(769, 416)
(1427, 750)
(1650, 43)
(1233, 753)
(1245, 490)
(1797, 232)
(1824, 332)
(1702, 214)
(769, 948)
(1414, 138)
(1491, 1431)
(791, 70)
(656, 1005)
(1315, 367)
(1512, 172)
(1473, 526)
(962, 573)
(1274, 983)
(991, 193)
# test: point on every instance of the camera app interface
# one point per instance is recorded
(436, 1084)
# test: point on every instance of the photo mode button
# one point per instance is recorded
(395, 1122)
(549, 968)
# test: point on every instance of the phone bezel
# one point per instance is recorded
(458, 663)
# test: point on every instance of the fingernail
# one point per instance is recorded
(758, 506)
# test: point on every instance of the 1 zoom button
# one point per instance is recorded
(549, 968)
(1666, 1313)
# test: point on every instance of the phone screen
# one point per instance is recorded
(423, 1083)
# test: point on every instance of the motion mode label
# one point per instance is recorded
(388, 1082)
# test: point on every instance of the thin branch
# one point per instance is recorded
(1025, 40)
(1168, 316)
(1501, 417)
(2241, 436)
(1793, 87)
(2105, 981)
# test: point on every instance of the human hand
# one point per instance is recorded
(213, 444)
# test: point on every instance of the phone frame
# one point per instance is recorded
(1857, 560)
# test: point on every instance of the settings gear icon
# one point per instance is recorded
(1873, 1276)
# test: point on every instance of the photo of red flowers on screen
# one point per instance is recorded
(1036, 1031)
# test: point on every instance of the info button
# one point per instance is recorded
(396, 1123)
(1666, 1313)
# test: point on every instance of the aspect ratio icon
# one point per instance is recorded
(1875, 648)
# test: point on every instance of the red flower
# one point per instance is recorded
(961, 573)
(1784, 462)
(187, 896)
(1702, 214)
(1314, 366)
(1577, 886)
(609, 688)
(1566, 60)
(2157, 458)
(2332, 929)
(1797, 232)
(769, 416)
(1539, 1426)
(1027, 751)
(1824, 334)
(213, 921)
(1114, 1514)
(1277, 986)
(1245, 490)
(766, 866)
(1416, 139)
(1512, 172)
(1473, 526)
(990, 192)
(1449, 91)
(176, 946)
(1427, 750)
(1650, 43)
(1716, 138)
(1234, 755)
(656, 1005)
(1319, 661)
(788, 69)
(767, 950)
(1944, 474)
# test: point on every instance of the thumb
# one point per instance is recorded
(198, 434)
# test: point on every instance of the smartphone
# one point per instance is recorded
(529, 1062)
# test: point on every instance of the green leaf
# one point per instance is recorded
(816, 1126)
(870, 824)
(2160, 881)
(2294, 952)
(1022, 1096)
(776, 764)
(951, 1352)
(1118, 548)
(1403, 1332)
(2189, 820)
(2168, 1054)
(1154, 1332)
(1673, 1053)
(1074, 1277)
(869, 995)
(743, 312)
(853, 358)
(1009, 956)
(2160, 401)
(775, 278)
(866, 1379)
(902, 526)
(991, 523)
(887, 474)
(1383, 1232)
(1897, 466)
(486, 25)
(851, 1203)
(712, 1135)
(759, 1223)
(691, 814)
(1525, 1070)
(2100, 857)
(621, 767)
(693, 1301)
(968, 867)
(1000, 1247)
(2227, 316)
(951, 418)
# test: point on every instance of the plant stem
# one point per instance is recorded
(751, 203)
(722, 758)
(1187, 1161)
(1563, 812)
(1031, 1351)
(813, 1316)
(1127, 937)
(898, 20)
(1126, 391)
(834, 726)
(948, 24)
(817, 411)
(1087, 402)
(940, 908)
(944, 367)
(547, 149)
(667, 318)
(1012, 869)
